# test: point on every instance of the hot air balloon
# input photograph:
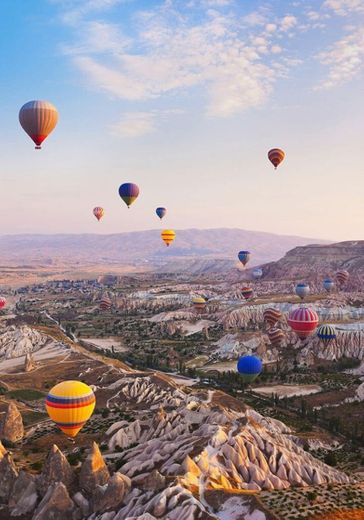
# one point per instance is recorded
(161, 212)
(105, 303)
(2, 302)
(328, 284)
(38, 119)
(342, 277)
(98, 212)
(244, 257)
(303, 321)
(276, 336)
(302, 290)
(199, 304)
(70, 405)
(249, 367)
(129, 193)
(276, 156)
(247, 292)
(271, 316)
(326, 333)
(168, 235)
(257, 273)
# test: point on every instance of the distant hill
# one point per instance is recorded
(144, 247)
(317, 261)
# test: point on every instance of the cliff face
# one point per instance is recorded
(19, 341)
(318, 261)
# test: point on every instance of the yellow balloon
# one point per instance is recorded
(168, 235)
(70, 405)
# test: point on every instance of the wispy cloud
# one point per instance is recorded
(74, 10)
(344, 7)
(230, 59)
(134, 124)
(345, 59)
(137, 124)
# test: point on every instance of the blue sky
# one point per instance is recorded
(185, 98)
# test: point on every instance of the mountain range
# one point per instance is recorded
(143, 247)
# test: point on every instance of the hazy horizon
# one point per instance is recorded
(185, 99)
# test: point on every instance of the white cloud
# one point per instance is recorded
(344, 7)
(134, 124)
(288, 22)
(74, 10)
(271, 27)
(345, 59)
(169, 55)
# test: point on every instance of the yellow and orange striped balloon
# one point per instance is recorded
(70, 405)
(168, 235)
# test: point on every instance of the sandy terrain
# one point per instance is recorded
(288, 390)
(106, 343)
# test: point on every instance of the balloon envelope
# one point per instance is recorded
(244, 257)
(38, 118)
(247, 292)
(249, 367)
(342, 277)
(98, 212)
(276, 156)
(302, 290)
(129, 193)
(276, 336)
(161, 212)
(70, 404)
(105, 303)
(2, 302)
(199, 303)
(271, 316)
(168, 235)
(326, 333)
(328, 284)
(257, 273)
(303, 321)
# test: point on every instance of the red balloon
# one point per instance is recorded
(2, 302)
(303, 321)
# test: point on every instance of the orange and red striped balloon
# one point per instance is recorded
(38, 119)
(98, 212)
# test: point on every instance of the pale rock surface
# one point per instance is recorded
(18, 341)
(11, 426)
(29, 363)
(23, 498)
(8, 473)
(56, 504)
(111, 495)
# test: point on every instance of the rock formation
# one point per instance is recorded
(24, 497)
(56, 504)
(111, 496)
(8, 474)
(94, 471)
(18, 341)
(11, 426)
(29, 363)
(56, 469)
